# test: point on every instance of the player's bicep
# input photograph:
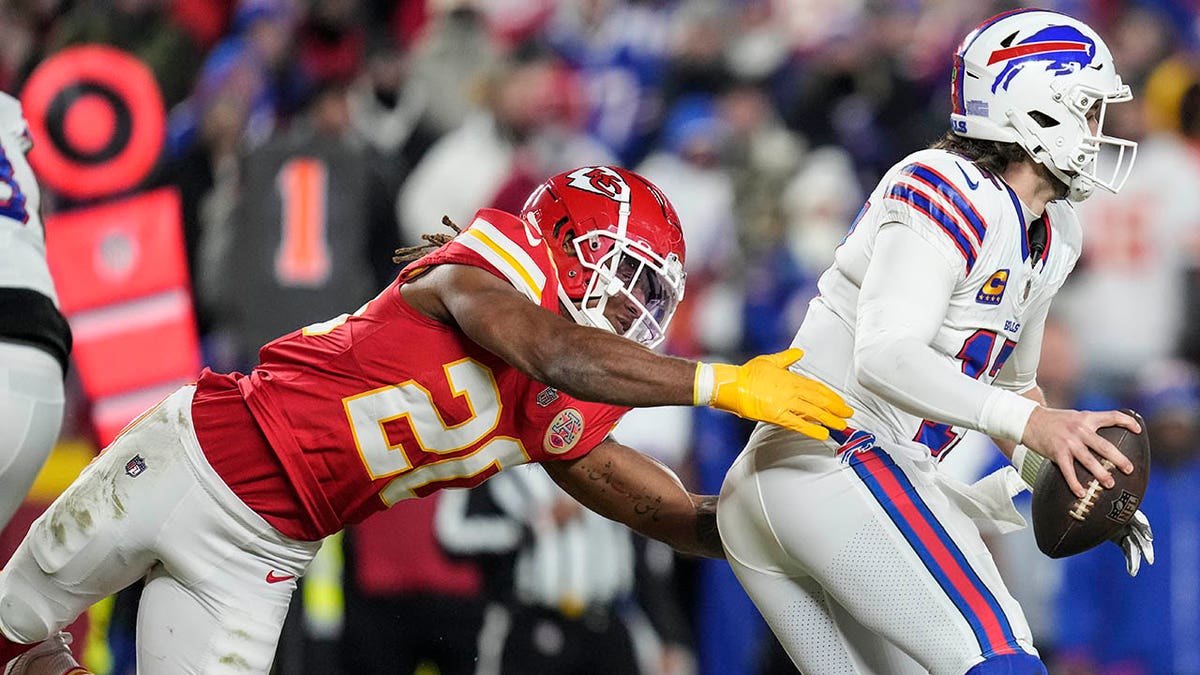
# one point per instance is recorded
(905, 292)
(491, 312)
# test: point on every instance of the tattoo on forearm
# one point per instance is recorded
(643, 504)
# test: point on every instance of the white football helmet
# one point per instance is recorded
(1031, 77)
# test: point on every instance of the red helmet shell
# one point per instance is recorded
(576, 202)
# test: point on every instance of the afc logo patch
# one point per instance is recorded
(565, 431)
(135, 466)
(993, 288)
(1123, 507)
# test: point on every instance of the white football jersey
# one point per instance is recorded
(978, 223)
(22, 237)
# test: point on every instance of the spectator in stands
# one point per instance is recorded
(688, 163)
(620, 50)
(302, 208)
(250, 67)
(388, 110)
(1142, 243)
(145, 29)
(332, 41)
(523, 131)
(455, 50)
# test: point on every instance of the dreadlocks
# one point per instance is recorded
(432, 241)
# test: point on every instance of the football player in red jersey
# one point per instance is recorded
(522, 339)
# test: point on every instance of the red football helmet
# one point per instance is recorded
(618, 246)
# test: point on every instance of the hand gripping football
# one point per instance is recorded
(1064, 524)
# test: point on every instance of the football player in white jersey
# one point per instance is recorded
(862, 556)
(35, 342)
(34, 337)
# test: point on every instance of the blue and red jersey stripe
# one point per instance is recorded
(957, 198)
(926, 205)
(934, 546)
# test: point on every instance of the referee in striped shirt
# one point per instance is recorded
(572, 593)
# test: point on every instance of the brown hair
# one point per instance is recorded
(992, 156)
(432, 241)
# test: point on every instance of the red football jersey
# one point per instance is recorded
(385, 404)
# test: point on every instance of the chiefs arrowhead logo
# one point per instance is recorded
(600, 180)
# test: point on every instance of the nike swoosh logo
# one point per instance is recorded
(532, 232)
(273, 578)
(973, 183)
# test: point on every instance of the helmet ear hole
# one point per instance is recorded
(1044, 121)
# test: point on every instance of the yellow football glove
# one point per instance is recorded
(765, 390)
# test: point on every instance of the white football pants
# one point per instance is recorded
(861, 561)
(31, 408)
(218, 577)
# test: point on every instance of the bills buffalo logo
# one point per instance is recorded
(135, 466)
(852, 441)
(1061, 50)
(993, 289)
(565, 431)
(1123, 507)
(600, 180)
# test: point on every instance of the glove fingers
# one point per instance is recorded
(801, 425)
(818, 394)
(1141, 525)
(1147, 550)
(784, 358)
(817, 414)
(1133, 556)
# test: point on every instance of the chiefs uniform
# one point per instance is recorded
(386, 404)
(887, 564)
(339, 420)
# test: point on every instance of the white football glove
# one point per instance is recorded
(1136, 540)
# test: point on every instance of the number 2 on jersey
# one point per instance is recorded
(468, 379)
(976, 356)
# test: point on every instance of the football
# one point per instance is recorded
(1065, 525)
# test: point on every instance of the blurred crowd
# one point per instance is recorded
(310, 138)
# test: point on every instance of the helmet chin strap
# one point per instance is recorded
(593, 319)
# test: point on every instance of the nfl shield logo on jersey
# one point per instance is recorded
(135, 466)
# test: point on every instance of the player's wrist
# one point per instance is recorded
(1005, 414)
(1027, 463)
(704, 385)
(714, 383)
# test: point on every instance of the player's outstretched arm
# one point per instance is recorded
(624, 485)
(595, 365)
